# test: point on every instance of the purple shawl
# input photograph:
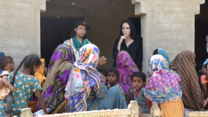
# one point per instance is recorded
(58, 74)
(126, 67)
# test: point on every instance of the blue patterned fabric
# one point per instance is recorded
(106, 99)
(84, 76)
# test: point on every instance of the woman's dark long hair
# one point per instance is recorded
(133, 33)
(29, 61)
(73, 33)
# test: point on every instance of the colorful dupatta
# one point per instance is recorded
(40, 75)
(84, 77)
(126, 67)
(164, 54)
(58, 74)
(164, 83)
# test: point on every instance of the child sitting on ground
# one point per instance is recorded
(6, 65)
(138, 80)
(113, 78)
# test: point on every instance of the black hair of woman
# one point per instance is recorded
(29, 62)
(133, 33)
(155, 52)
(5, 60)
(73, 33)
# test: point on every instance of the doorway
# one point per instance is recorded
(201, 31)
(55, 31)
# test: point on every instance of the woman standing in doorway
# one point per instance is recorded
(130, 42)
(79, 39)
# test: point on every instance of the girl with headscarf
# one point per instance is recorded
(84, 89)
(126, 67)
(163, 87)
(162, 52)
(130, 42)
(59, 70)
(184, 64)
(79, 39)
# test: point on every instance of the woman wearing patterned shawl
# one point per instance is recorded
(162, 52)
(84, 90)
(58, 74)
(163, 87)
(126, 67)
(184, 64)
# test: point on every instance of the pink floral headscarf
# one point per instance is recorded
(125, 65)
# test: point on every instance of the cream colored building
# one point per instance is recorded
(38, 26)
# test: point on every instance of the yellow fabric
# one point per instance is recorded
(4, 91)
(40, 73)
(172, 109)
(33, 105)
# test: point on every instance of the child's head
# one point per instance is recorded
(102, 71)
(31, 63)
(112, 75)
(138, 80)
(7, 63)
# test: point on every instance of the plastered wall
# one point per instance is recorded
(167, 24)
(19, 27)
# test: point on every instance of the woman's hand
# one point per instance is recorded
(120, 41)
(102, 61)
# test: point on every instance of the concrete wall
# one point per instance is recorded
(104, 21)
(19, 27)
(168, 24)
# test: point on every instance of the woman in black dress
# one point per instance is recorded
(130, 42)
